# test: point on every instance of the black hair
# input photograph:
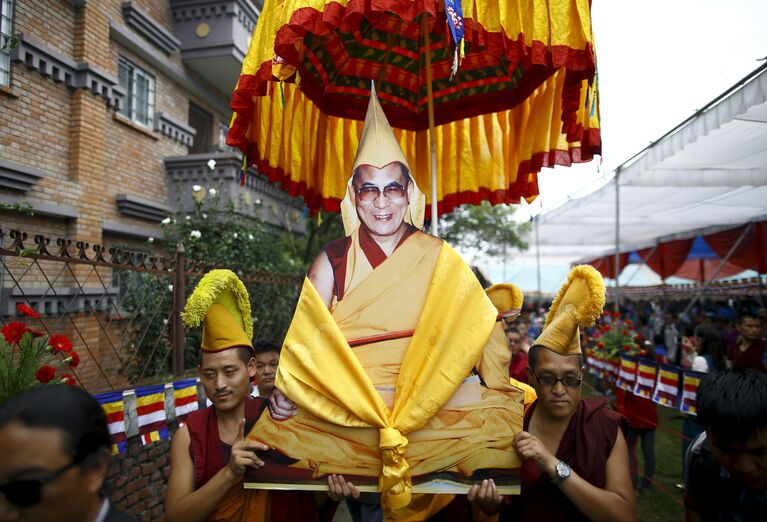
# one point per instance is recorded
(260, 347)
(244, 353)
(732, 403)
(747, 315)
(532, 356)
(512, 329)
(711, 343)
(72, 411)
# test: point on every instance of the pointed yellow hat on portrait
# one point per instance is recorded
(379, 147)
(579, 303)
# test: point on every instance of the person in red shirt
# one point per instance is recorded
(518, 363)
(642, 418)
(748, 351)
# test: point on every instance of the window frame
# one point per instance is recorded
(6, 22)
(132, 74)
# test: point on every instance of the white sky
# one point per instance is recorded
(658, 62)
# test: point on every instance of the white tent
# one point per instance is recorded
(709, 171)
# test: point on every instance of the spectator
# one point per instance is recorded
(55, 446)
(748, 351)
(518, 364)
(726, 466)
(671, 337)
(642, 418)
(267, 361)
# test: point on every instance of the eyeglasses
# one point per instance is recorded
(568, 381)
(28, 492)
(393, 192)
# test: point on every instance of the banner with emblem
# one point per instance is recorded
(627, 374)
(667, 386)
(150, 409)
(690, 382)
(185, 398)
(647, 371)
(114, 408)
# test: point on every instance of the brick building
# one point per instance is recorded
(111, 111)
(114, 113)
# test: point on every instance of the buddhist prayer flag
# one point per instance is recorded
(185, 398)
(690, 382)
(667, 386)
(612, 368)
(627, 375)
(114, 408)
(150, 409)
(645, 381)
(591, 362)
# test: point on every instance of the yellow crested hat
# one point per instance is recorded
(579, 303)
(379, 147)
(220, 302)
(506, 297)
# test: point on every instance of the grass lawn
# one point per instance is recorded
(662, 502)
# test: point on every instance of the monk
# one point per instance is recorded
(209, 453)
(376, 404)
(575, 457)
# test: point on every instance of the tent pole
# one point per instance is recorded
(537, 256)
(617, 240)
(723, 262)
(432, 138)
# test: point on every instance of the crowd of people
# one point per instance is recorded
(432, 385)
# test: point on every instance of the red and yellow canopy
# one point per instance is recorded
(524, 96)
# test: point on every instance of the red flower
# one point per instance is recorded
(69, 379)
(60, 343)
(627, 348)
(625, 332)
(27, 310)
(73, 360)
(45, 373)
(607, 313)
(14, 331)
(35, 333)
(629, 322)
(616, 314)
(600, 345)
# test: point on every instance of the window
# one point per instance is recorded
(6, 30)
(139, 92)
(202, 122)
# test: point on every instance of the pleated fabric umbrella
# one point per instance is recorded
(506, 87)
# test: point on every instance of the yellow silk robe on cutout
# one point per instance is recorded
(399, 407)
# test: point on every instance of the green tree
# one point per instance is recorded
(487, 229)
(214, 235)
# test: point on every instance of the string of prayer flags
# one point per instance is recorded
(114, 408)
(667, 386)
(150, 409)
(185, 398)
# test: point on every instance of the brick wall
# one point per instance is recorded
(137, 479)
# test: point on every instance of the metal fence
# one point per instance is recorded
(120, 307)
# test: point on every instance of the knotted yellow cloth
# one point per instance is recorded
(321, 374)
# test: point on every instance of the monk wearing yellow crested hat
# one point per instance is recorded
(209, 452)
(575, 458)
(394, 356)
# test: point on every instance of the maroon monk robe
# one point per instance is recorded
(585, 447)
(210, 454)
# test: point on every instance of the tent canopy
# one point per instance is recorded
(708, 173)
